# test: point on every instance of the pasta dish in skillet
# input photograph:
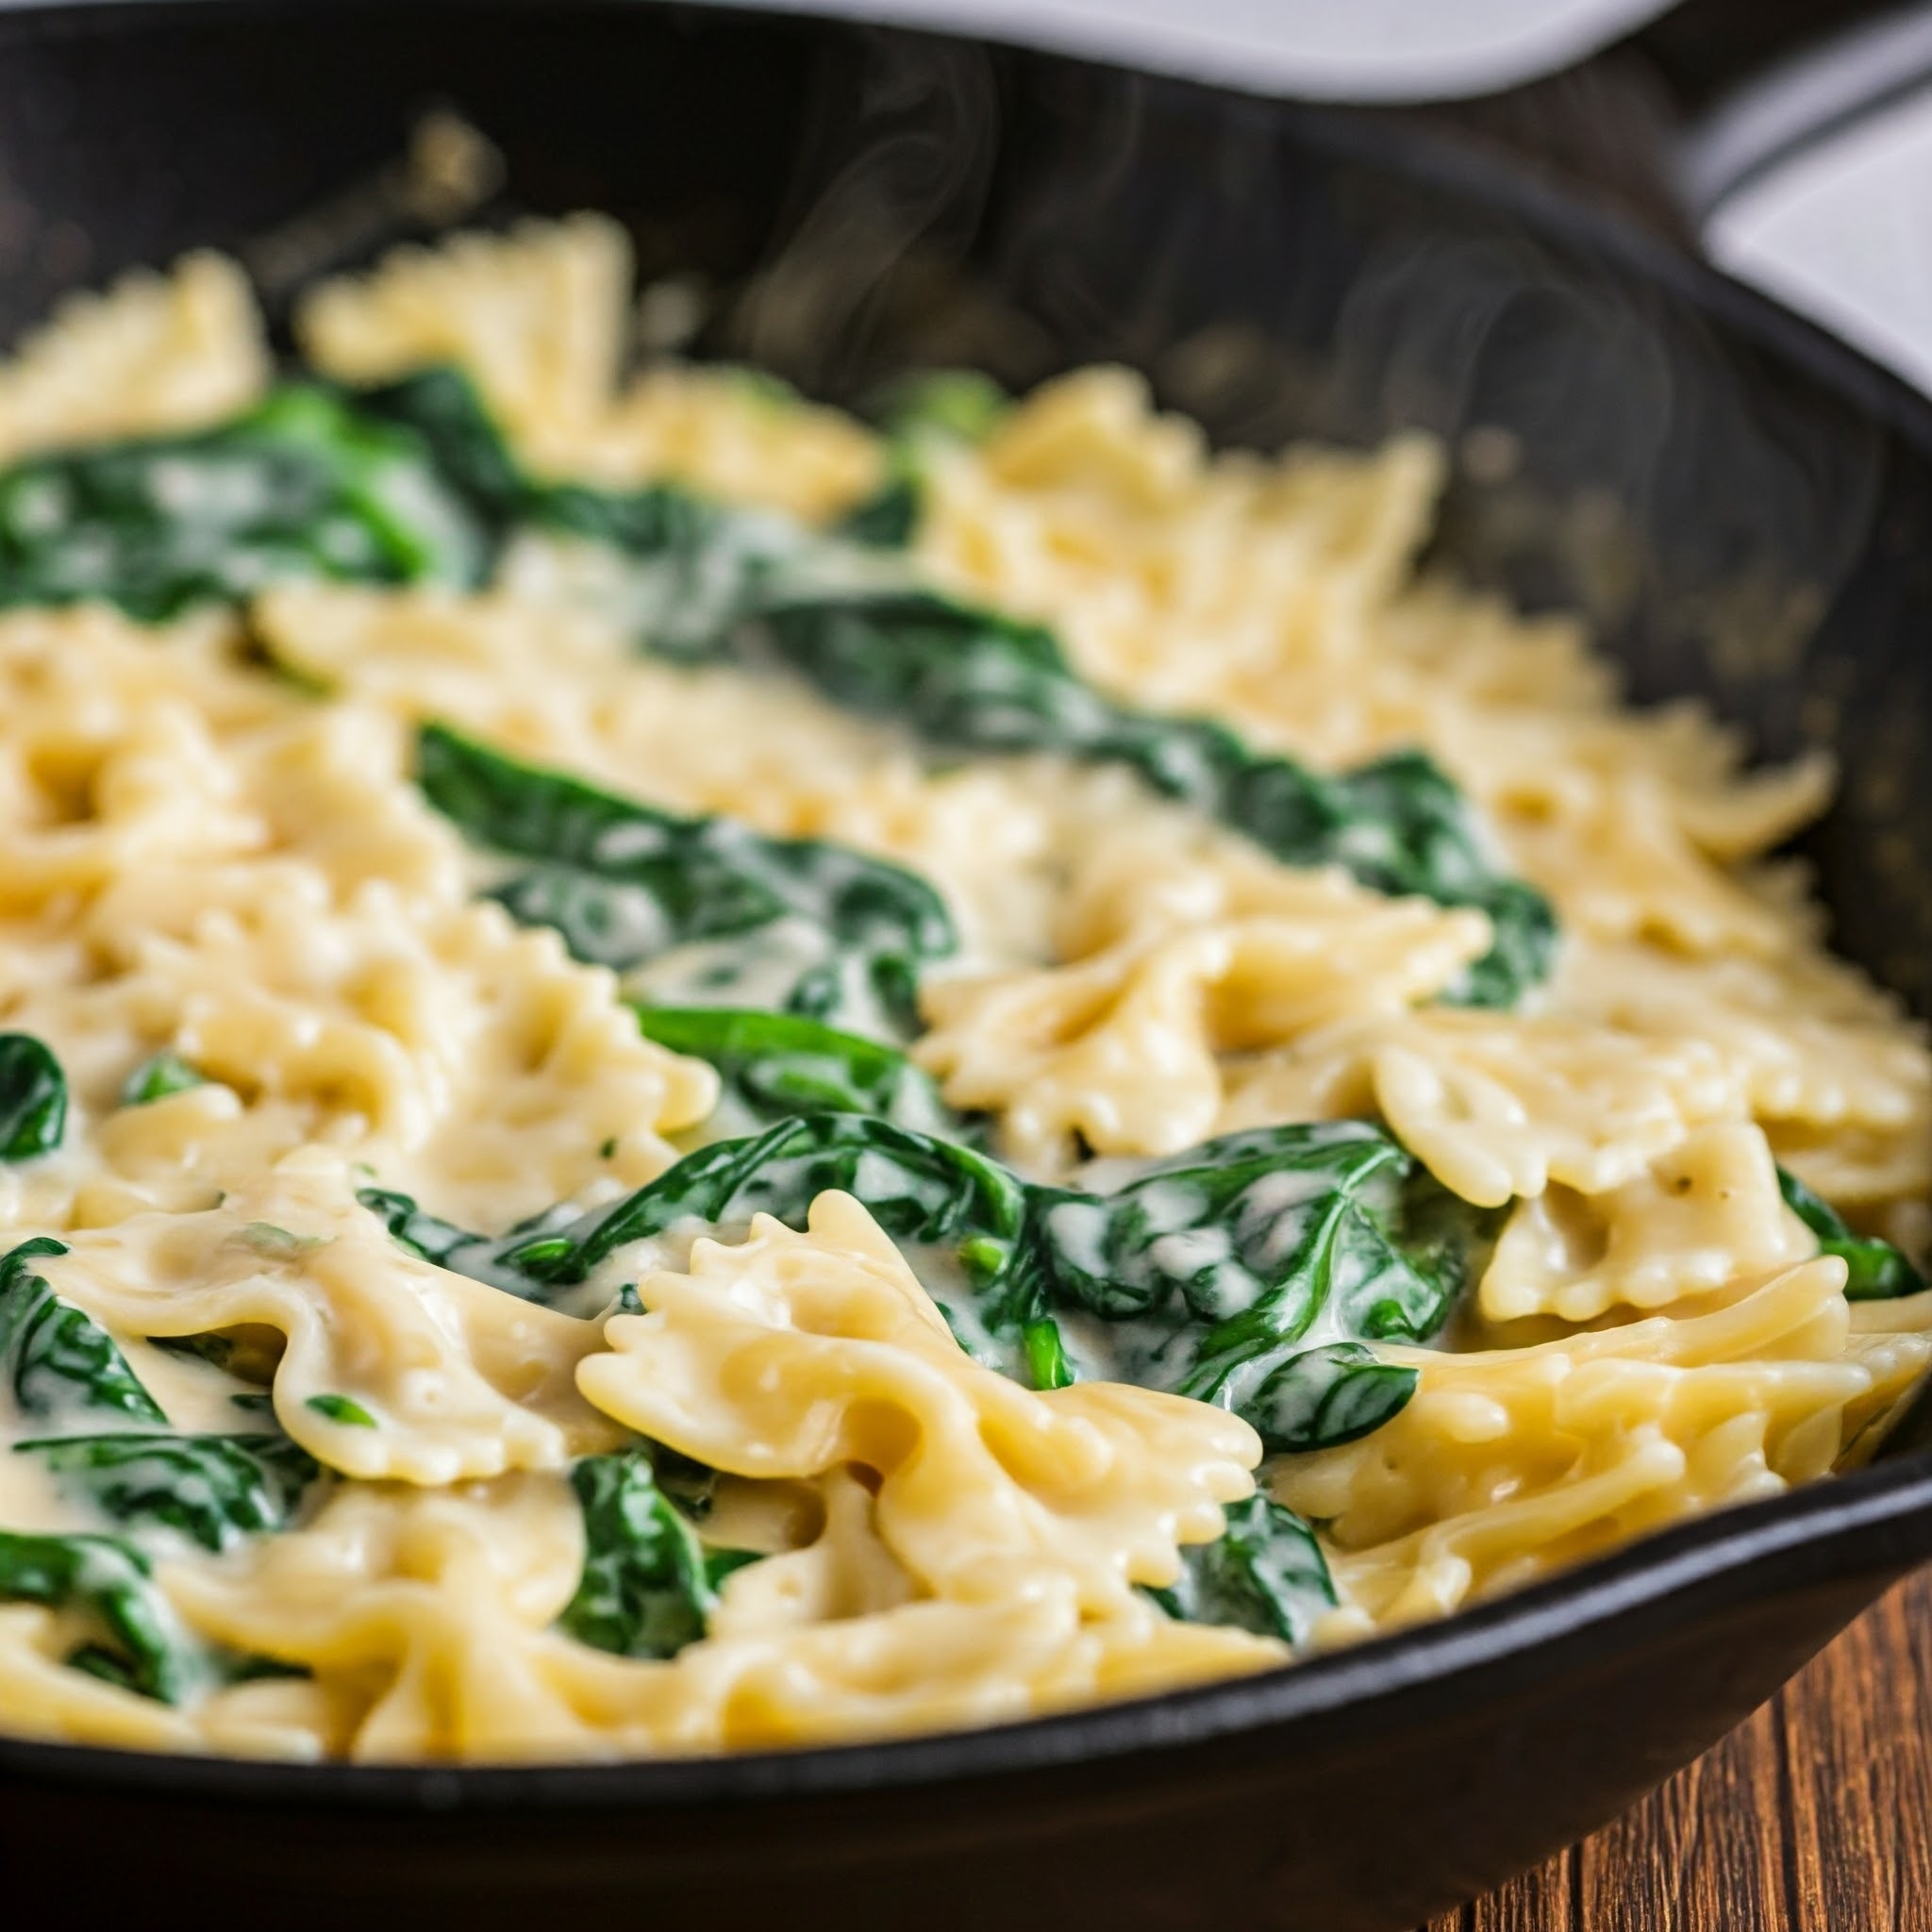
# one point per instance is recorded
(677, 1074)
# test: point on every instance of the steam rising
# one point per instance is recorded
(1285, 273)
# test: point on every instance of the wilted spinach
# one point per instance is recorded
(772, 1066)
(57, 1360)
(141, 1644)
(929, 408)
(113, 1442)
(304, 485)
(63, 1364)
(692, 566)
(213, 1489)
(649, 1585)
(1874, 1270)
(961, 1211)
(1265, 1573)
(920, 1189)
(813, 927)
(1249, 1272)
(33, 1098)
(157, 1078)
(342, 1410)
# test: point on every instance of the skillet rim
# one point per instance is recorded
(1873, 1523)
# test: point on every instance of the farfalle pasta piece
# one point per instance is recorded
(793, 1355)
(431, 651)
(537, 317)
(735, 435)
(1552, 765)
(468, 1058)
(1498, 1105)
(391, 1369)
(110, 762)
(155, 352)
(1699, 1217)
(845, 1571)
(939, 1665)
(1839, 1080)
(1123, 1048)
(1499, 1108)
(1621, 867)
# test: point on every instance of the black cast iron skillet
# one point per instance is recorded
(1742, 506)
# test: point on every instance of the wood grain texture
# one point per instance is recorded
(1816, 1816)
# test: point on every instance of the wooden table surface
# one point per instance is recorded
(1816, 1816)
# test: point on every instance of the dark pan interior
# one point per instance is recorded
(1741, 506)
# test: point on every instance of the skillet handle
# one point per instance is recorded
(1809, 94)
(1667, 124)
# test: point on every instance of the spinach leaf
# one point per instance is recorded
(33, 1098)
(440, 411)
(304, 485)
(1874, 1270)
(1249, 1272)
(691, 569)
(159, 1076)
(479, 1257)
(941, 405)
(825, 930)
(1329, 1394)
(921, 1191)
(928, 408)
(213, 1489)
(961, 1215)
(344, 1409)
(693, 566)
(145, 1648)
(888, 518)
(775, 1065)
(250, 1354)
(57, 1359)
(420, 1233)
(960, 1212)
(649, 1586)
(961, 677)
(1266, 1573)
